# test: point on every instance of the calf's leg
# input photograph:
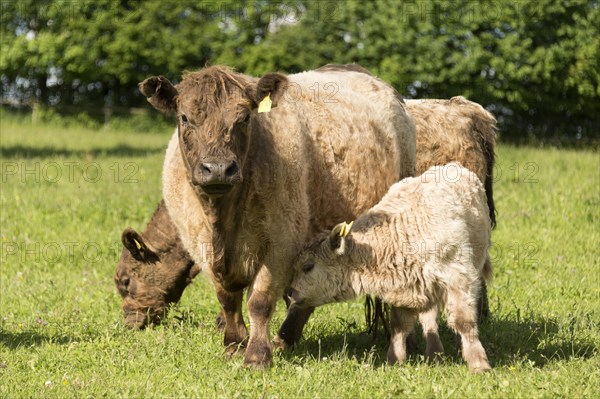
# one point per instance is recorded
(483, 306)
(461, 310)
(429, 322)
(402, 323)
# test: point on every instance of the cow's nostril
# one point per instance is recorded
(231, 170)
(206, 168)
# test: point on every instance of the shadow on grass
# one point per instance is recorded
(538, 340)
(351, 344)
(178, 318)
(28, 338)
(506, 341)
(121, 150)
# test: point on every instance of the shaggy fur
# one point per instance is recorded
(153, 270)
(425, 244)
(300, 167)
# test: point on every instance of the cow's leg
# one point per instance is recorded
(291, 329)
(462, 318)
(235, 333)
(402, 323)
(411, 343)
(429, 323)
(483, 306)
(220, 321)
(265, 291)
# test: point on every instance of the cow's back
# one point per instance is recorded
(355, 139)
(453, 130)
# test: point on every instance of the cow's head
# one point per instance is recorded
(150, 279)
(215, 108)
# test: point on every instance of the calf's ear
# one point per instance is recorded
(338, 237)
(161, 93)
(135, 244)
(271, 87)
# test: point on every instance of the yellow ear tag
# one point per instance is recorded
(346, 229)
(137, 244)
(265, 104)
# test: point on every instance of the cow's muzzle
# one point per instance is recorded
(217, 178)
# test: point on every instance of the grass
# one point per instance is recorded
(67, 193)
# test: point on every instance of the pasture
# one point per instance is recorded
(67, 193)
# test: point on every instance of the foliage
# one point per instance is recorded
(536, 65)
(68, 193)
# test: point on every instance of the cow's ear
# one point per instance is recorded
(135, 244)
(161, 93)
(271, 87)
(338, 237)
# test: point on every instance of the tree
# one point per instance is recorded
(536, 65)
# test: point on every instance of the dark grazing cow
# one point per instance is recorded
(153, 270)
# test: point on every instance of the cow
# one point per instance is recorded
(153, 270)
(259, 166)
(423, 245)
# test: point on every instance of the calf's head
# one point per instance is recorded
(322, 269)
(215, 108)
(150, 279)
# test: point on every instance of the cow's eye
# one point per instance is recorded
(184, 120)
(308, 267)
(125, 281)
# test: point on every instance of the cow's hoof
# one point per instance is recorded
(435, 357)
(233, 349)
(280, 344)
(481, 369)
(258, 357)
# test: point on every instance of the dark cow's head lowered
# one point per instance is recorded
(215, 108)
(153, 270)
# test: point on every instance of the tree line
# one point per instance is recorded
(534, 64)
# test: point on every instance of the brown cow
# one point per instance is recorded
(153, 270)
(249, 188)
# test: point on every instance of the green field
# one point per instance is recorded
(67, 193)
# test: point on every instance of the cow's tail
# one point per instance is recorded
(486, 126)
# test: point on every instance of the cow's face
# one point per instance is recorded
(215, 108)
(321, 271)
(149, 280)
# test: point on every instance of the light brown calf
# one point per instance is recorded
(425, 244)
